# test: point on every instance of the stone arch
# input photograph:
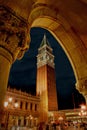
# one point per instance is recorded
(67, 38)
(70, 43)
(59, 17)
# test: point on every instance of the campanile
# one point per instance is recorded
(46, 81)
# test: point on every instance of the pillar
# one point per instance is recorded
(35, 121)
(13, 43)
(31, 122)
(5, 66)
(16, 121)
(28, 106)
(27, 121)
(33, 107)
(23, 105)
(18, 104)
(22, 121)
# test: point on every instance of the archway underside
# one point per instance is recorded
(72, 46)
(68, 25)
(66, 20)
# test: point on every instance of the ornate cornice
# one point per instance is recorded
(21, 94)
(14, 33)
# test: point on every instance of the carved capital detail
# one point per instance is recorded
(81, 85)
(14, 33)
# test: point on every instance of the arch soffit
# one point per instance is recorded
(51, 26)
(51, 20)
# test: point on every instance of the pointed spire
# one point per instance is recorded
(45, 41)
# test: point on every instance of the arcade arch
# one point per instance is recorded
(57, 20)
(60, 18)
(70, 43)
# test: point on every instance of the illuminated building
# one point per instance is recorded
(20, 109)
(65, 20)
(46, 80)
(74, 115)
(44, 102)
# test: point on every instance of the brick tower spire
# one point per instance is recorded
(46, 81)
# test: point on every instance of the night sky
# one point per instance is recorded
(23, 72)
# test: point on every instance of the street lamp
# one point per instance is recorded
(8, 105)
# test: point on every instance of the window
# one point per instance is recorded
(21, 104)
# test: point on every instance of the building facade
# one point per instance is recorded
(74, 115)
(20, 109)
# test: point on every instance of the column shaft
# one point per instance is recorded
(4, 75)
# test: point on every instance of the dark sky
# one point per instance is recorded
(23, 72)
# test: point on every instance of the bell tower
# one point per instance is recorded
(46, 81)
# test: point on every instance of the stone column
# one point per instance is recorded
(33, 106)
(18, 104)
(16, 121)
(35, 122)
(22, 121)
(13, 43)
(28, 106)
(23, 105)
(31, 122)
(27, 121)
(5, 66)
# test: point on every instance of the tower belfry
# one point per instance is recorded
(45, 56)
(46, 81)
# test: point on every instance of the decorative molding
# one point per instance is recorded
(14, 33)
(81, 85)
(21, 93)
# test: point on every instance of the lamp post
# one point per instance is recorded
(8, 105)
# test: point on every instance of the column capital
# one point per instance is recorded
(81, 85)
(14, 33)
